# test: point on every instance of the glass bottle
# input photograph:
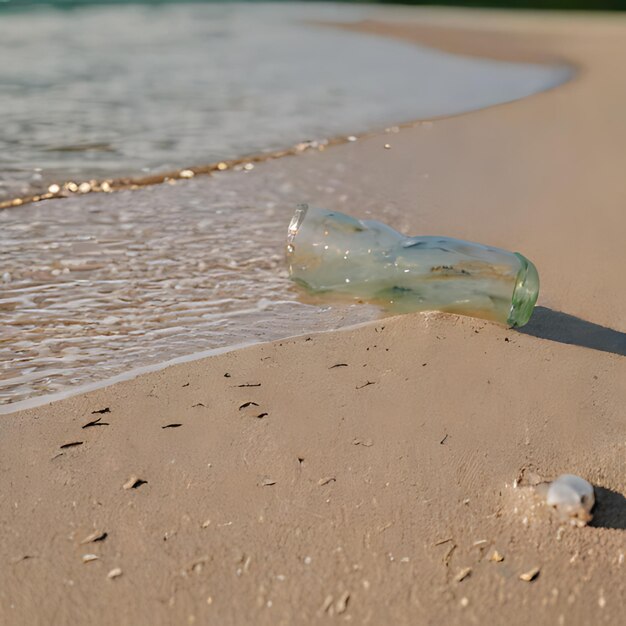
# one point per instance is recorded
(332, 253)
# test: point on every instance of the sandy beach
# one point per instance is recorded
(368, 475)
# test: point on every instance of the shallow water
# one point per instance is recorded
(112, 90)
(94, 286)
(105, 283)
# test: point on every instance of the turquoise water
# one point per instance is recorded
(110, 90)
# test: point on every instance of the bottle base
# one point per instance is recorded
(525, 293)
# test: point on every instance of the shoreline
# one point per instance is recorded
(34, 402)
(240, 165)
(446, 39)
(368, 474)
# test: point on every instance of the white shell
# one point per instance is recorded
(573, 498)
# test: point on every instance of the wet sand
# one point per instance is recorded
(356, 476)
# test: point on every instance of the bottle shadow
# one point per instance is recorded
(564, 328)
(610, 509)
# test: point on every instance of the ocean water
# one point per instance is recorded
(114, 90)
(92, 287)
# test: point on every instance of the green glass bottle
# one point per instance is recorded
(332, 253)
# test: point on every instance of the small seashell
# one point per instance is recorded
(463, 574)
(326, 480)
(530, 575)
(114, 573)
(496, 557)
(96, 535)
(90, 557)
(573, 498)
(133, 482)
(342, 604)
(328, 602)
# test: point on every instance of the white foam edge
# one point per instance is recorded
(37, 401)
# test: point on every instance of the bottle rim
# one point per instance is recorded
(296, 222)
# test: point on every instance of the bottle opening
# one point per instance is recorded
(296, 222)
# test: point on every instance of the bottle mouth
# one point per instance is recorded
(294, 225)
(525, 293)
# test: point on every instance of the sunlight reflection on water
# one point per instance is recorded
(92, 287)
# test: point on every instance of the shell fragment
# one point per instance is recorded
(573, 498)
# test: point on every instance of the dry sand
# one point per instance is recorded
(356, 476)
